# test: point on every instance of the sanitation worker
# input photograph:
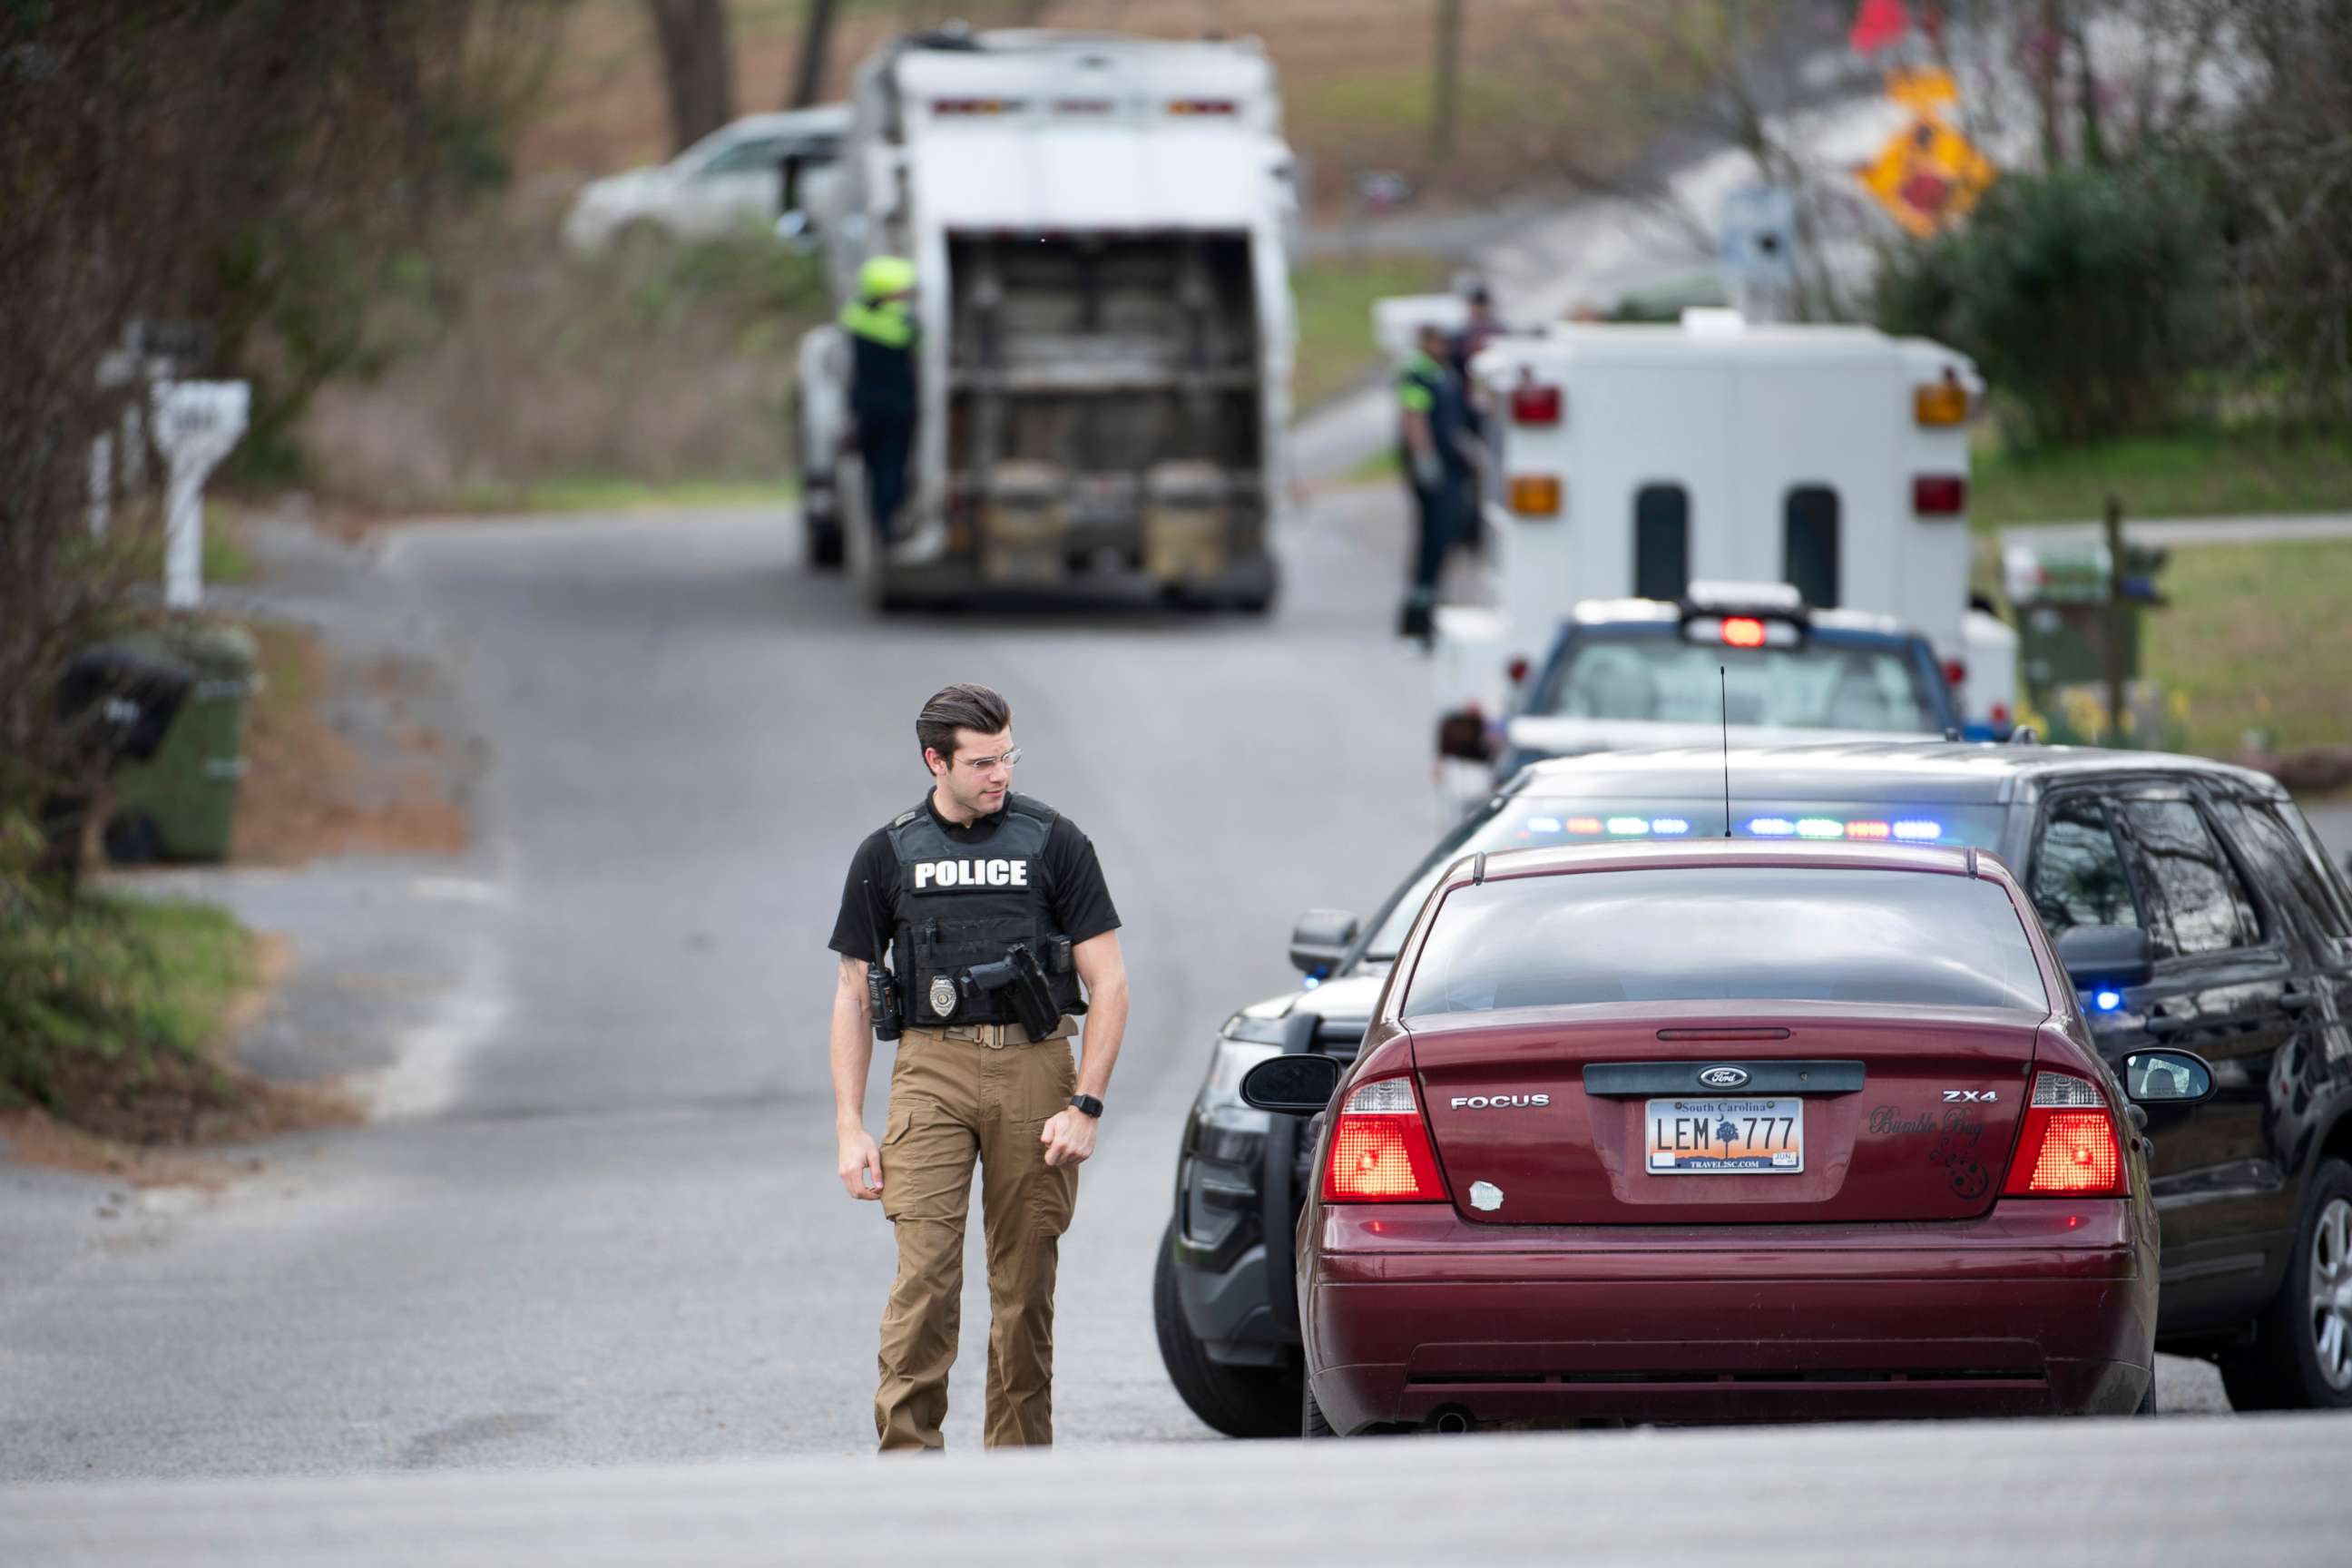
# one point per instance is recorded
(881, 326)
(990, 912)
(1431, 424)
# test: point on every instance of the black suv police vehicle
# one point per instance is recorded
(2189, 900)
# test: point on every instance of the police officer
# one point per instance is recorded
(1432, 421)
(881, 326)
(944, 893)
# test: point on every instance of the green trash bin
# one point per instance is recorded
(181, 804)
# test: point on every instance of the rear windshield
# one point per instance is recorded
(1727, 933)
(1524, 822)
(1643, 676)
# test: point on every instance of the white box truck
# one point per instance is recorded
(1101, 227)
(1632, 460)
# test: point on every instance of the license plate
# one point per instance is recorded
(1727, 1137)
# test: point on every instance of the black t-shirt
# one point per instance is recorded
(1076, 894)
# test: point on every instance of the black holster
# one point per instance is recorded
(1017, 974)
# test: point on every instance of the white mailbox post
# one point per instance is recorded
(197, 422)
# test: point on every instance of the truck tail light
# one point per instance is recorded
(1204, 106)
(1939, 495)
(1940, 403)
(1956, 674)
(975, 105)
(1534, 404)
(1381, 1150)
(2068, 1147)
(1534, 495)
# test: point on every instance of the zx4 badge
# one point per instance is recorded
(1971, 1096)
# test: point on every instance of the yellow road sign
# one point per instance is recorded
(1925, 89)
(1927, 177)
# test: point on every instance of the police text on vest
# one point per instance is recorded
(971, 874)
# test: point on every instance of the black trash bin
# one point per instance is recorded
(117, 704)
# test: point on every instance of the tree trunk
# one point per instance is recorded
(817, 42)
(1445, 86)
(698, 63)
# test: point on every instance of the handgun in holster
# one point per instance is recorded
(1017, 974)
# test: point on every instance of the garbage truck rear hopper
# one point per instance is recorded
(1100, 226)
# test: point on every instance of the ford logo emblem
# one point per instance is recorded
(1724, 1078)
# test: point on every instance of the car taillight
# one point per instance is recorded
(1532, 404)
(1939, 495)
(2068, 1147)
(1381, 1150)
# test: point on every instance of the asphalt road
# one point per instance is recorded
(597, 1221)
(600, 1221)
(2096, 1493)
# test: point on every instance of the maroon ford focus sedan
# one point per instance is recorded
(1726, 1132)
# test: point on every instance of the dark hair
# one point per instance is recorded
(962, 706)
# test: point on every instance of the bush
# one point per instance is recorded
(2088, 296)
(520, 365)
(106, 1003)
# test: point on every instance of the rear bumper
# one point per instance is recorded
(2019, 1313)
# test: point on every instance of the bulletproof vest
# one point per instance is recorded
(961, 904)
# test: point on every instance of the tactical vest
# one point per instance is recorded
(962, 904)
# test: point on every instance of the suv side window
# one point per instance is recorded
(2078, 869)
(2334, 901)
(2272, 852)
(2198, 904)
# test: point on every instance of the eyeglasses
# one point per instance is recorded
(988, 764)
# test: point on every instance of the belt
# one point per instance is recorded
(996, 1036)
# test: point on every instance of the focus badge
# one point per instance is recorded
(943, 996)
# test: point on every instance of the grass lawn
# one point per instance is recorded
(109, 1002)
(1334, 295)
(2255, 638)
(613, 492)
(2208, 475)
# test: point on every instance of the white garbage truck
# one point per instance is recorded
(1632, 460)
(1100, 226)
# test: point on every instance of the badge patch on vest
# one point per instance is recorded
(943, 996)
(956, 876)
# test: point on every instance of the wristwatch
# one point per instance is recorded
(1087, 1105)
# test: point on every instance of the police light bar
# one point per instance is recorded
(1867, 829)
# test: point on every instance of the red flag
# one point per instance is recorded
(1878, 24)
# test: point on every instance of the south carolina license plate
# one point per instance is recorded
(1727, 1137)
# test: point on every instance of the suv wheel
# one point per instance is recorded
(2301, 1357)
(1310, 1415)
(1238, 1401)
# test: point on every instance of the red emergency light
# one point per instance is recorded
(1532, 404)
(1743, 631)
(1939, 495)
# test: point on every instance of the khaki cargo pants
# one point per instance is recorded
(953, 1099)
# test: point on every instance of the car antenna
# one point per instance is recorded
(1723, 698)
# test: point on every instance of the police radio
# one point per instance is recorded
(882, 992)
